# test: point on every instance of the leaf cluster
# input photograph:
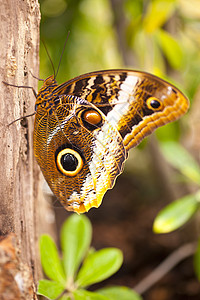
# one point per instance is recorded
(177, 213)
(80, 265)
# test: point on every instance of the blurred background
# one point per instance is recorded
(161, 37)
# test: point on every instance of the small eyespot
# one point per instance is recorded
(154, 103)
(69, 162)
(91, 119)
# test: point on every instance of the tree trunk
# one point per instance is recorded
(21, 206)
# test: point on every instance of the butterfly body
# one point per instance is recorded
(85, 127)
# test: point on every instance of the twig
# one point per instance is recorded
(168, 264)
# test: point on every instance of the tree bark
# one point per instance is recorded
(20, 195)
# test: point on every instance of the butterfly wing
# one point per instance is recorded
(81, 140)
(135, 102)
(79, 162)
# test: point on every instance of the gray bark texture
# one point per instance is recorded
(21, 201)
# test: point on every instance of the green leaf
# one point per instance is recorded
(170, 48)
(158, 12)
(99, 266)
(76, 236)
(182, 160)
(50, 289)
(197, 261)
(119, 292)
(176, 214)
(169, 132)
(86, 295)
(65, 297)
(50, 260)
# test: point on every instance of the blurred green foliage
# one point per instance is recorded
(158, 36)
(161, 36)
(91, 44)
(179, 212)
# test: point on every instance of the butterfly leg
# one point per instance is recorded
(21, 86)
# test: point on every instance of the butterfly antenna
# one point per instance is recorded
(35, 76)
(62, 53)
(49, 58)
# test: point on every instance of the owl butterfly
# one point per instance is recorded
(85, 127)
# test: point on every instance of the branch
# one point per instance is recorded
(167, 265)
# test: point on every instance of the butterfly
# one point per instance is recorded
(85, 127)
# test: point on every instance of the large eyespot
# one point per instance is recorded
(91, 119)
(69, 162)
(154, 103)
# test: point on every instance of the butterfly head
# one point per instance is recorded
(45, 94)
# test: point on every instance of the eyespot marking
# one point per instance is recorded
(69, 162)
(154, 103)
(91, 119)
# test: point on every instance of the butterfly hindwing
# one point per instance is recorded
(99, 150)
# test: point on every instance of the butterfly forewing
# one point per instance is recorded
(123, 95)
